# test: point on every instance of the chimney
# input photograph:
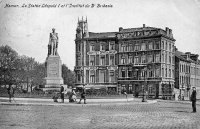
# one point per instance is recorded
(144, 26)
(120, 29)
(188, 55)
(170, 33)
(167, 31)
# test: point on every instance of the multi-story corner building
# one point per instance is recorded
(129, 60)
(96, 60)
(146, 60)
(187, 74)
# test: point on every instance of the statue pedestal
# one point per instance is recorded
(53, 79)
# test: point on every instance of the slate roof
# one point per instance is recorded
(180, 55)
(139, 29)
(102, 35)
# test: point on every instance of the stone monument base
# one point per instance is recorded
(53, 80)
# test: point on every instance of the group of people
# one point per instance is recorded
(72, 95)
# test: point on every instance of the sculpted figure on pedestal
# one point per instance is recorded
(53, 43)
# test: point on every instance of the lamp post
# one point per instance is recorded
(188, 90)
(182, 96)
(143, 86)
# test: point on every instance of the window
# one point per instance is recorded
(123, 88)
(163, 72)
(150, 90)
(158, 58)
(143, 59)
(166, 57)
(92, 47)
(79, 47)
(79, 60)
(102, 60)
(123, 48)
(137, 47)
(166, 72)
(130, 90)
(102, 76)
(143, 47)
(92, 60)
(112, 45)
(169, 47)
(130, 59)
(102, 47)
(163, 47)
(166, 46)
(123, 73)
(112, 60)
(157, 45)
(123, 60)
(157, 72)
(170, 59)
(150, 73)
(129, 73)
(163, 57)
(143, 73)
(150, 58)
(136, 60)
(92, 76)
(173, 48)
(130, 47)
(112, 76)
(169, 72)
(150, 45)
(79, 76)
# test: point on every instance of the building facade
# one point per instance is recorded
(187, 74)
(132, 60)
(96, 60)
(146, 61)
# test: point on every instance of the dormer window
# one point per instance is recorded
(112, 45)
(102, 47)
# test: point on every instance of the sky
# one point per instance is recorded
(27, 30)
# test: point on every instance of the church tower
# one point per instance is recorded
(82, 29)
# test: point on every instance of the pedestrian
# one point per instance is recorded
(11, 91)
(62, 94)
(83, 95)
(193, 99)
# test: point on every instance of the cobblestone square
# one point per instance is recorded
(160, 115)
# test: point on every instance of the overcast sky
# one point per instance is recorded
(27, 29)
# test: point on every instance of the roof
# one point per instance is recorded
(182, 55)
(102, 35)
(139, 29)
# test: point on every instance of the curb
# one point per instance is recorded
(75, 104)
(181, 102)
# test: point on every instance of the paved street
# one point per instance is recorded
(130, 115)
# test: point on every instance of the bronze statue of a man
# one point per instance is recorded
(53, 43)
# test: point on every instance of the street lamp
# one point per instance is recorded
(143, 86)
(182, 96)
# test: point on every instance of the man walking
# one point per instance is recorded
(10, 90)
(83, 94)
(193, 99)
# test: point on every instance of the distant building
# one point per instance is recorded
(187, 73)
(129, 60)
